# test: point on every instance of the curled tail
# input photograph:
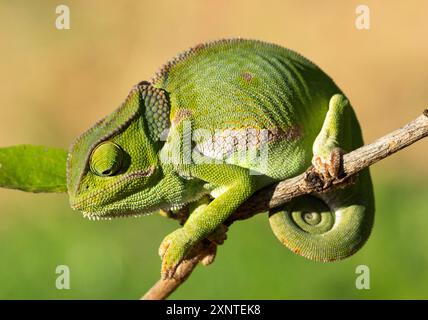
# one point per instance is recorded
(329, 226)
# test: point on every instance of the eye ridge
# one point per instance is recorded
(106, 159)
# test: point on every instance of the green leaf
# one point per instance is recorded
(33, 168)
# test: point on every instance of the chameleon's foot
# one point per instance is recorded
(216, 238)
(219, 235)
(177, 246)
(209, 255)
(329, 168)
(173, 250)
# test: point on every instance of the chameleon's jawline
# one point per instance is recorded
(126, 178)
(126, 214)
(111, 216)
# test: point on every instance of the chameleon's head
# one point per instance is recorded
(113, 168)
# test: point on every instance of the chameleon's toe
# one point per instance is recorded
(329, 167)
(209, 255)
(173, 250)
(216, 238)
(219, 235)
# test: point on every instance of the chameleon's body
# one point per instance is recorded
(213, 99)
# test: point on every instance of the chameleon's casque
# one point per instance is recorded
(219, 122)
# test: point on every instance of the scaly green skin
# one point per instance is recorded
(179, 137)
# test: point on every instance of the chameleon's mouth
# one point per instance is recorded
(89, 200)
(96, 216)
(111, 216)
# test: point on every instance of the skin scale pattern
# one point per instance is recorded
(221, 98)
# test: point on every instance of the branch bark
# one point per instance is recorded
(308, 182)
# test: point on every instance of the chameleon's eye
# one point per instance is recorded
(106, 159)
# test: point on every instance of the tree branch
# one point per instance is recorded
(308, 182)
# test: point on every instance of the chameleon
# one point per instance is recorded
(214, 125)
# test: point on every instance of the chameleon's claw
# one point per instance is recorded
(209, 255)
(173, 250)
(329, 168)
(219, 235)
(216, 238)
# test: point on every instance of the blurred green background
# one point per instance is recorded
(55, 84)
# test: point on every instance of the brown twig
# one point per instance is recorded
(305, 183)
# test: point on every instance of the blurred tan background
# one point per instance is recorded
(56, 83)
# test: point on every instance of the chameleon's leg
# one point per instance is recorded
(328, 226)
(327, 147)
(217, 237)
(213, 240)
(236, 184)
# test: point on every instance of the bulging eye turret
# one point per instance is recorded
(106, 159)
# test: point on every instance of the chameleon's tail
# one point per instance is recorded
(329, 226)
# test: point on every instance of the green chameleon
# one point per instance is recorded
(215, 124)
